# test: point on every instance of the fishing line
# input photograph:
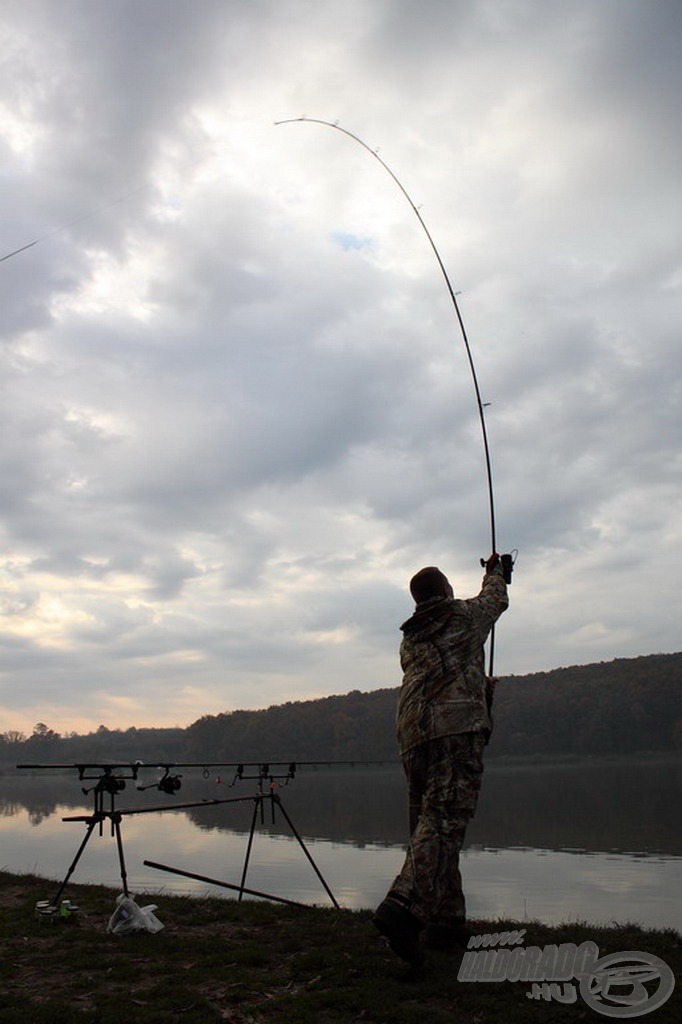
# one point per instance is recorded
(453, 297)
(71, 223)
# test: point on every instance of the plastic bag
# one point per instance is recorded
(129, 918)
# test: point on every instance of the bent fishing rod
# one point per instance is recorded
(460, 321)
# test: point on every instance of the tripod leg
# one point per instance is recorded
(90, 829)
(257, 804)
(306, 852)
(121, 859)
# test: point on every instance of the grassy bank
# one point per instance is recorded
(256, 963)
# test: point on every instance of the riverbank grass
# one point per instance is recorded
(255, 962)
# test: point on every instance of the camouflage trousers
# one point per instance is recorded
(444, 779)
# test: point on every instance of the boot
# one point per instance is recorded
(401, 928)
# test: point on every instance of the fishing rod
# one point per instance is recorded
(460, 320)
(136, 766)
(111, 776)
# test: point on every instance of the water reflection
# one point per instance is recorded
(576, 842)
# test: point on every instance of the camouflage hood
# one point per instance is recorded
(429, 618)
(443, 691)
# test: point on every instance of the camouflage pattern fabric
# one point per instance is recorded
(443, 692)
(444, 779)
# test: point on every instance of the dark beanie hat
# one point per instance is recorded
(427, 583)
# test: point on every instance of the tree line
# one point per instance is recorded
(625, 706)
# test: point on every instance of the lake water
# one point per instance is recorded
(597, 842)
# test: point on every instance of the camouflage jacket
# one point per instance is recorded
(444, 684)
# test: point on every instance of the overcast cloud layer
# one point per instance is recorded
(236, 409)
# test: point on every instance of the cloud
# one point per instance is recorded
(237, 412)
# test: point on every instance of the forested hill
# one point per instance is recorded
(621, 706)
(615, 707)
(618, 707)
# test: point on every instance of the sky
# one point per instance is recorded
(237, 413)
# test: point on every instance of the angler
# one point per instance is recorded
(443, 715)
(443, 723)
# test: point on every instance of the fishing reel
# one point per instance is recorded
(167, 783)
(107, 784)
(170, 784)
(507, 562)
